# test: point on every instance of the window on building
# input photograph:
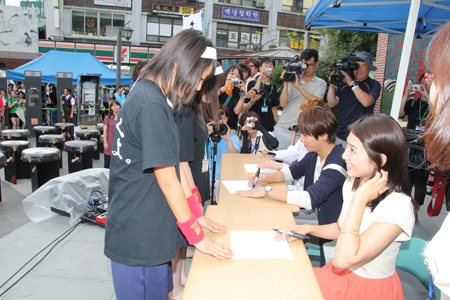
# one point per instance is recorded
(230, 35)
(298, 6)
(238, 2)
(96, 23)
(161, 29)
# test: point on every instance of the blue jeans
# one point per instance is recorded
(142, 283)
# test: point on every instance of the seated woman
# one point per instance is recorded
(377, 215)
(323, 168)
(254, 135)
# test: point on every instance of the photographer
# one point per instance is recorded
(356, 97)
(252, 133)
(417, 108)
(229, 143)
(306, 86)
(417, 112)
(232, 95)
(265, 101)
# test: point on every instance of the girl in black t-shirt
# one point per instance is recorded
(147, 204)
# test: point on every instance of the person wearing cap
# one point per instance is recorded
(356, 97)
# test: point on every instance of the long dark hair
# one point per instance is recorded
(110, 111)
(180, 56)
(206, 101)
(380, 134)
(241, 75)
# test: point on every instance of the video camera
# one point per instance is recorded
(295, 65)
(219, 129)
(346, 64)
(416, 149)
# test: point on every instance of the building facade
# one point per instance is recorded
(91, 25)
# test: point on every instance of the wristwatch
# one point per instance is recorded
(267, 189)
(353, 85)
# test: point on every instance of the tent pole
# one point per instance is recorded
(405, 58)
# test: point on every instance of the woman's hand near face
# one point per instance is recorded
(210, 128)
(424, 90)
(373, 188)
(408, 88)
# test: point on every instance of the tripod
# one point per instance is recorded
(215, 138)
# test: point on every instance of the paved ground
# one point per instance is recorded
(76, 267)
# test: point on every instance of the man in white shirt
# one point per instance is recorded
(68, 106)
(294, 93)
(254, 65)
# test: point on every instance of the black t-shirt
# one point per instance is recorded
(350, 109)
(233, 119)
(193, 142)
(141, 229)
(267, 120)
(417, 111)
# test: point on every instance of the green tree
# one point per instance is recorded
(337, 44)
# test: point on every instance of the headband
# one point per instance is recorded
(210, 53)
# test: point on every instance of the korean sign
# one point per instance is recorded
(240, 14)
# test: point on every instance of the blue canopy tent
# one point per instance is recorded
(413, 18)
(76, 63)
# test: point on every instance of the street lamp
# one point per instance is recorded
(127, 32)
(243, 46)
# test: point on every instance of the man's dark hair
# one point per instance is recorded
(121, 86)
(137, 69)
(267, 59)
(2, 90)
(11, 84)
(68, 89)
(246, 68)
(308, 53)
(254, 61)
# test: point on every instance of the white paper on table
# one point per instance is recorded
(238, 185)
(252, 168)
(259, 245)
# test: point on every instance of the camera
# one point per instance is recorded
(346, 64)
(293, 128)
(415, 87)
(235, 82)
(294, 66)
(416, 149)
(258, 91)
(249, 122)
(219, 129)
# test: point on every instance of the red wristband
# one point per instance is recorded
(191, 230)
(194, 206)
(197, 194)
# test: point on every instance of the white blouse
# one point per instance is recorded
(394, 209)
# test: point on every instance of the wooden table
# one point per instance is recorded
(229, 279)
(232, 168)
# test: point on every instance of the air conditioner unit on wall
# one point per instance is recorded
(260, 4)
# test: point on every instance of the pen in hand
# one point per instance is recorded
(293, 234)
(256, 177)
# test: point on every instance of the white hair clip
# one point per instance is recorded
(219, 71)
(210, 53)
